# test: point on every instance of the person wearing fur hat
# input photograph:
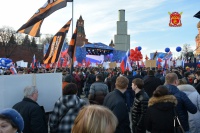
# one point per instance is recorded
(11, 121)
(160, 113)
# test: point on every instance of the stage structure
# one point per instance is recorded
(98, 53)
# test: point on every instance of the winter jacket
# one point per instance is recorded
(98, 90)
(130, 79)
(113, 81)
(64, 113)
(184, 105)
(115, 101)
(90, 79)
(33, 115)
(193, 95)
(108, 82)
(150, 84)
(139, 109)
(137, 76)
(160, 114)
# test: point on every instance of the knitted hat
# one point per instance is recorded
(14, 116)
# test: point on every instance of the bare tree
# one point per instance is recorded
(6, 33)
(45, 38)
(19, 38)
(187, 52)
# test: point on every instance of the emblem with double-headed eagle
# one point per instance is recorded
(175, 19)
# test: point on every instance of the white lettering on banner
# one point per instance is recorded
(54, 46)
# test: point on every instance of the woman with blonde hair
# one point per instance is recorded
(95, 119)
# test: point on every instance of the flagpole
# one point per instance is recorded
(71, 60)
(58, 59)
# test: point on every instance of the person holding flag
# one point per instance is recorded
(13, 70)
(33, 65)
(125, 64)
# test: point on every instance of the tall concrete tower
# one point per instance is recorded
(122, 39)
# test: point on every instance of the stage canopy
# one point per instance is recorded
(98, 46)
(98, 49)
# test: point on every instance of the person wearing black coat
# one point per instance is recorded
(160, 113)
(140, 106)
(151, 83)
(113, 80)
(32, 113)
(129, 93)
(137, 75)
(91, 78)
(115, 101)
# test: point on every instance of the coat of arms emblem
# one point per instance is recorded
(175, 19)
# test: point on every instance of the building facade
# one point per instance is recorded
(81, 37)
(122, 39)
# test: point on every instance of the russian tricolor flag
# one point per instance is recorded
(33, 62)
(13, 70)
(125, 64)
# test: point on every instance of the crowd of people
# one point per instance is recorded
(131, 102)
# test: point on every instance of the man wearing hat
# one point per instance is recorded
(32, 113)
(11, 121)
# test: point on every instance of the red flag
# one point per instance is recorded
(88, 63)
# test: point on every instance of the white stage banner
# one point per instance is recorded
(118, 64)
(75, 63)
(94, 65)
(106, 65)
(49, 87)
(21, 63)
(178, 63)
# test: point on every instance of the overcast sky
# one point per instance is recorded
(148, 20)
